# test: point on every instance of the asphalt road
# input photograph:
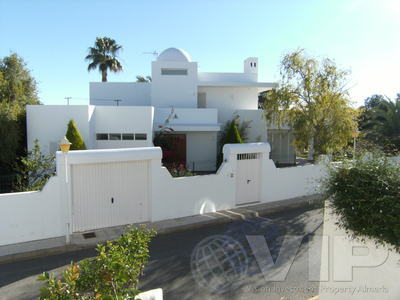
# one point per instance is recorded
(224, 264)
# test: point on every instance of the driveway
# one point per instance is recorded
(175, 255)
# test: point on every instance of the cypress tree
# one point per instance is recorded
(231, 136)
(75, 137)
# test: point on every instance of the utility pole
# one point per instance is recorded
(68, 98)
(154, 53)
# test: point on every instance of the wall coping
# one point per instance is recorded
(110, 155)
(231, 149)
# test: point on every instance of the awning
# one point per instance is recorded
(189, 127)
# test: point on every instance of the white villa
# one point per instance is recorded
(194, 105)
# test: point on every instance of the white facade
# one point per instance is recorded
(191, 103)
(47, 123)
(84, 201)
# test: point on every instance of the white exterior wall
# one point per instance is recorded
(186, 116)
(30, 216)
(201, 150)
(187, 196)
(39, 215)
(257, 131)
(285, 183)
(131, 93)
(174, 90)
(223, 77)
(124, 119)
(48, 124)
(230, 97)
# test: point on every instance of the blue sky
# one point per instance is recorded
(53, 36)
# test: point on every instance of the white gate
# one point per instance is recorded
(248, 178)
(109, 194)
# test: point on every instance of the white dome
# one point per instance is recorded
(174, 54)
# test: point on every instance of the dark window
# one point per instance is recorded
(254, 64)
(173, 71)
(251, 64)
(115, 136)
(140, 136)
(102, 136)
(127, 136)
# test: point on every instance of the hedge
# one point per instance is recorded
(365, 195)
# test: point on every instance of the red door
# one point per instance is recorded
(174, 148)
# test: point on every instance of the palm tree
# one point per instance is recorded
(104, 56)
(385, 120)
(143, 79)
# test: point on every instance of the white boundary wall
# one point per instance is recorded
(30, 216)
(46, 214)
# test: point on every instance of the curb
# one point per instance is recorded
(243, 212)
(182, 224)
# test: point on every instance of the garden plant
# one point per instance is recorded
(113, 274)
(365, 195)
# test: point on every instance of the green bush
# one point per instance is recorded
(75, 137)
(231, 135)
(113, 274)
(365, 195)
(33, 170)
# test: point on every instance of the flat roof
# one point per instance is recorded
(238, 83)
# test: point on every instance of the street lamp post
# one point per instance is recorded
(64, 147)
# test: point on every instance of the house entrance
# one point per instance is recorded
(248, 178)
(173, 146)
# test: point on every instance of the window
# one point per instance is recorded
(128, 136)
(243, 156)
(140, 136)
(254, 64)
(102, 136)
(201, 100)
(115, 136)
(251, 64)
(173, 71)
(121, 136)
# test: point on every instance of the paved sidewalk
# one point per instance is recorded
(78, 241)
(355, 270)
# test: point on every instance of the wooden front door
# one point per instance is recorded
(173, 146)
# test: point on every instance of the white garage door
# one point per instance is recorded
(109, 194)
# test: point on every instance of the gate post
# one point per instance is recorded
(65, 194)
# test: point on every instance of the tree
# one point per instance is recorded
(74, 136)
(143, 79)
(34, 170)
(312, 98)
(370, 104)
(104, 57)
(230, 135)
(17, 89)
(16, 83)
(381, 121)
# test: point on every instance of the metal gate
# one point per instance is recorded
(109, 194)
(248, 178)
